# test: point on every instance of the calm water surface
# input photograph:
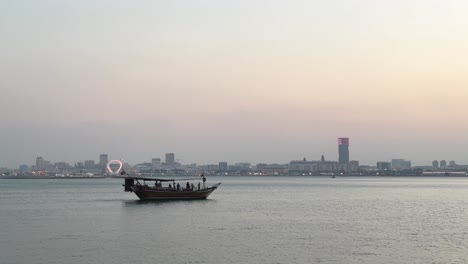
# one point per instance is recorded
(247, 220)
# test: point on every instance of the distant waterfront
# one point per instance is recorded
(337, 176)
(173, 168)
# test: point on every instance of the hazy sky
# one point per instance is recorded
(256, 81)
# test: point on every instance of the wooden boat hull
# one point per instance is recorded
(148, 193)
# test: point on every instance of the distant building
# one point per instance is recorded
(39, 163)
(354, 165)
(143, 167)
(243, 165)
(435, 164)
(46, 164)
(452, 163)
(383, 166)
(42, 164)
(170, 159)
(443, 164)
(260, 166)
(343, 150)
(303, 166)
(367, 168)
(298, 167)
(401, 164)
(274, 169)
(23, 168)
(4, 170)
(234, 168)
(223, 166)
(461, 167)
(208, 167)
(61, 166)
(89, 164)
(156, 163)
(103, 160)
(422, 168)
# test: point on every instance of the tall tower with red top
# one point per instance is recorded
(343, 150)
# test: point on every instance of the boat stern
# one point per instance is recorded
(129, 183)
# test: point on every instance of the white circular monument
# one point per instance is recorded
(109, 169)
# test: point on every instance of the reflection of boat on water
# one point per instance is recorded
(172, 191)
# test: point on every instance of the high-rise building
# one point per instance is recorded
(343, 150)
(435, 164)
(223, 166)
(39, 163)
(170, 158)
(103, 160)
(452, 163)
(443, 164)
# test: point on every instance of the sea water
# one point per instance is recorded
(246, 220)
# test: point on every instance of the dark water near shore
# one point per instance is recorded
(247, 220)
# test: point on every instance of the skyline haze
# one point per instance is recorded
(256, 81)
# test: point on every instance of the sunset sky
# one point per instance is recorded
(255, 81)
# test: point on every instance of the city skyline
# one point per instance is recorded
(329, 153)
(304, 167)
(171, 161)
(243, 80)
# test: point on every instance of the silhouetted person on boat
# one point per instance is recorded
(204, 180)
(191, 186)
(187, 185)
(178, 186)
(170, 186)
(198, 185)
